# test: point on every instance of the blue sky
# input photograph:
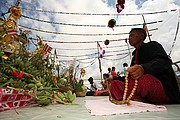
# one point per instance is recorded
(164, 34)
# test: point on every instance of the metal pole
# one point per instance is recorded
(146, 28)
(99, 61)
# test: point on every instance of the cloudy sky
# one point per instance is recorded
(73, 27)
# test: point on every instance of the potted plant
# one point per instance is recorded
(80, 89)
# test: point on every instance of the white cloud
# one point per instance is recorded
(165, 33)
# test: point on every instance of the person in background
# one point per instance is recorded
(152, 68)
(104, 90)
(93, 87)
(109, 72)
(114, 74)
(123, 72)
(121, 77)
(118, 73)
(104, 83)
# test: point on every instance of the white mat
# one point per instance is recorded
(105, 107)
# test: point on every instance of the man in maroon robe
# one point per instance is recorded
(152, 68)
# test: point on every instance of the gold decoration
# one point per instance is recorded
(15, 14)
(5, 57)
(12, 44)
(83, 72)
(124, 100)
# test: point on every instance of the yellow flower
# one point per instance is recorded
(5, 57)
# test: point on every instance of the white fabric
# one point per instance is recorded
(105, 107)
(94, 87)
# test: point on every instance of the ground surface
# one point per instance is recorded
(79, 112)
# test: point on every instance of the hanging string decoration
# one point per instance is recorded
(120, 5)
(102, 14)
(77, 34)
(112, 23)
(87, 25)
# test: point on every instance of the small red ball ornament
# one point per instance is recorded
(106, 42)
(120, 5)
(103, 52)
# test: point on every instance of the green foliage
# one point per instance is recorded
(31, 67)
(80, 87)
(36, 74)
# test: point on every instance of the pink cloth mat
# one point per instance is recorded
(104, 107)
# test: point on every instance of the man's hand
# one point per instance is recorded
(135, 71)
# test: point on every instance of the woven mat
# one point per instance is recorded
(105, 107)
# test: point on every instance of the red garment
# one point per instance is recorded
(113, 73)
(101, 93)
(149, 89)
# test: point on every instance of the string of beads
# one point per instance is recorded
(125, 100)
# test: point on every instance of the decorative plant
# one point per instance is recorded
(32, 71)
(22, 70)
(80, 87)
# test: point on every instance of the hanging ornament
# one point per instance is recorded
(120, 2)
(106, 42)
(112, 23)
(144, 26)
(120, 5)
(103, 52)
